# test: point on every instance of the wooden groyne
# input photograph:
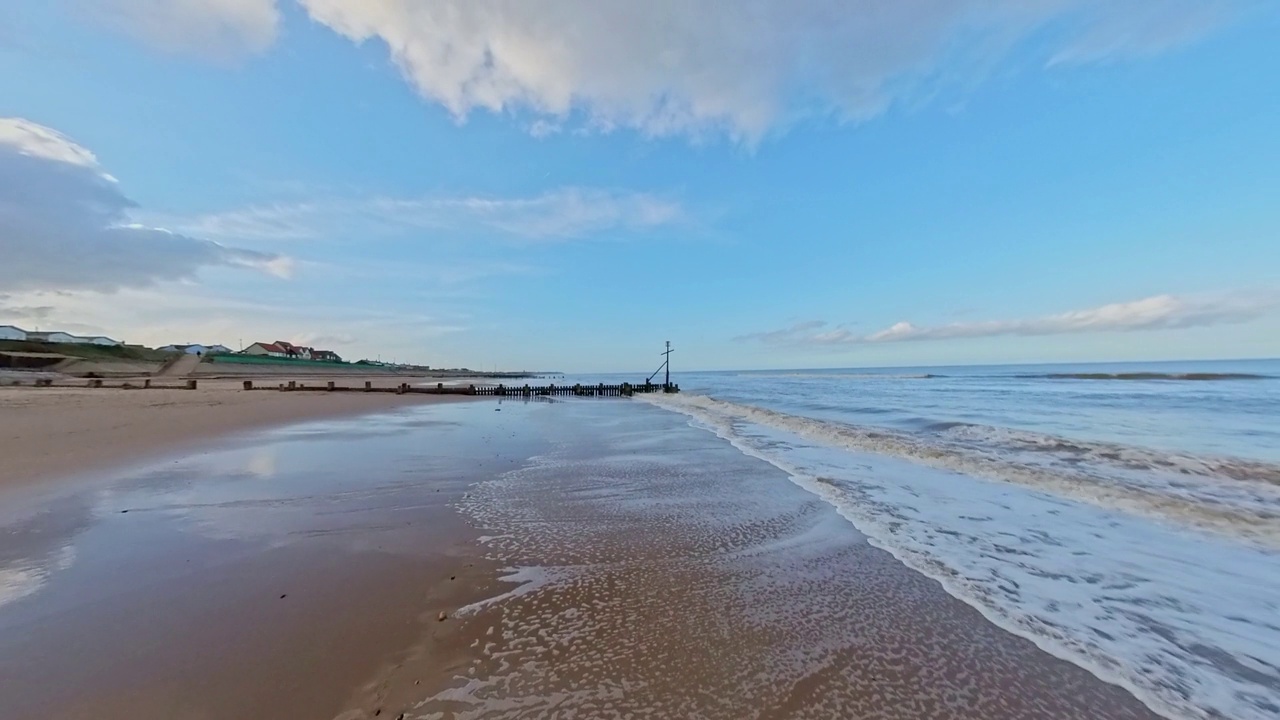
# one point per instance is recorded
(551, 390)
(527, 391)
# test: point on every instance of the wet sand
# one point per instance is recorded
(655, 572)
(285, 574)
(669, 575)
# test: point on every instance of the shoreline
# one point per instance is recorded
(358, 570)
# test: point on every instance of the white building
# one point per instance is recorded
(196, 349)
(11, 332)
(68, 338)
(53, 337)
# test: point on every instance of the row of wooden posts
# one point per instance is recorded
(146, 384)
(600, 390)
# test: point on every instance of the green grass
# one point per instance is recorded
(268, 360)
(87, 352)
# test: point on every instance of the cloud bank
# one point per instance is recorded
(674, 67)
(688, 67)
(1161, 312)
(64, 223)
(555, 216)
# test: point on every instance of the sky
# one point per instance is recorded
(567, 184)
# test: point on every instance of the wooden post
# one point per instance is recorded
(293, 384)
(471, 389)
(368, 385)
(191, 384)
(330, 388)
(667, 384)
(146, 383)
(95, 383)
(248, 384)
(439, 387)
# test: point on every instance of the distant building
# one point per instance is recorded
(100, 340)
(69, 339)
(12, 332)
(196, 349)
(266, 349)
(285, 349)
(294, 351)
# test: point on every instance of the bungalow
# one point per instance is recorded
(69, 339)
(196, 349)
(266, 349)
(11, 332)
(294, 351)
(52, 337)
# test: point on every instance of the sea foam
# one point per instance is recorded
(1116, 576)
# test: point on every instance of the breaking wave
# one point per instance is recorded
(1231, 496)
(1090, 550)
(1147, 376)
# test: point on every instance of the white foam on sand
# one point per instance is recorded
(1186, 620)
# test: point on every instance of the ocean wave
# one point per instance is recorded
(844, 376)
(1183, 620)
(1231, 496)
(1203, 376)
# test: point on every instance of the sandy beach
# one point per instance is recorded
(57, 431)
(593, 559)
(174, 588)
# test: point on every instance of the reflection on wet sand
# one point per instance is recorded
(275, 575)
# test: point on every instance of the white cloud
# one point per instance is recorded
(215, 29)
(1161, 312)
(64, 223)
(558, 215)
(669, 67)
(33, 140)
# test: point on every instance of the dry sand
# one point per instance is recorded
(52, 432)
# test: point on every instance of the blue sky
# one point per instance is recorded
(565, 185)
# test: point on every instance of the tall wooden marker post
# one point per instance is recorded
(666, 365)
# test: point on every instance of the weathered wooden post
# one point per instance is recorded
(471, 389)
(439, 387)
(293, 384)
(146, 383)
(502, 389)
(191, 384)
(368, 385)
(248, 384)
(330, 386)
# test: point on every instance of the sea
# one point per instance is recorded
(1124, 517)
